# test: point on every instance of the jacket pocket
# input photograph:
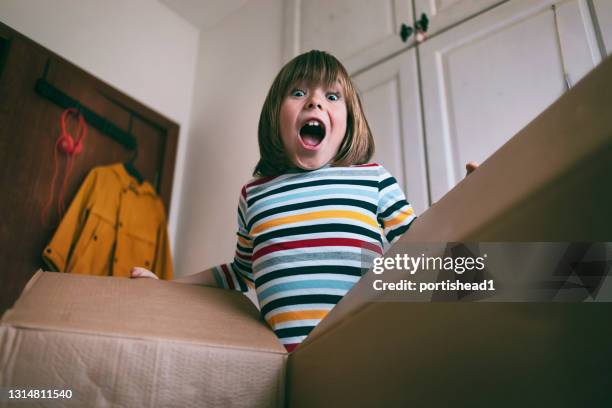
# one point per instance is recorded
(142, 249)
(92, 252)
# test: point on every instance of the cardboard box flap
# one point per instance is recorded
(117, 306)
(458, 354)
(550, 182)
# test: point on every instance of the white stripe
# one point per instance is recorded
(292, 340)
(310, 250)
(262, 206)
(286, 180)
(300, 292)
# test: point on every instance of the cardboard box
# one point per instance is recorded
(550, 182)
(148, 343)
(140, 343)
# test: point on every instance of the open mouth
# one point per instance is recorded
(312, 133)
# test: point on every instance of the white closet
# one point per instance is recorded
(484, 80)
(485, 71)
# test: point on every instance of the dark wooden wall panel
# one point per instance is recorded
(29, 127)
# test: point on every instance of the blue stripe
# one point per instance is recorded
(218, 278)
(390, 198)
(369, 193)
(307, 284)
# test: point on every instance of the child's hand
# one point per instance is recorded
(142, 273)
(470, 167)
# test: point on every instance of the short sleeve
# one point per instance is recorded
(395, 214)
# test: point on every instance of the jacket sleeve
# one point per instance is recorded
(238, 274)
(57, 253)
(162, 264)
(395, 214)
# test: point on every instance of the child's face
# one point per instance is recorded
(313, 124)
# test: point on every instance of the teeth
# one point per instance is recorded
(314, 123)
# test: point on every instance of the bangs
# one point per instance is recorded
(314, 68)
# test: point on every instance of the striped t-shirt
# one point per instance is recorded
(306, 237)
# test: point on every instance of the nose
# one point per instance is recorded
(314, 102)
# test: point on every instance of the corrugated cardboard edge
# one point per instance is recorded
(7, 315)
(10, 319)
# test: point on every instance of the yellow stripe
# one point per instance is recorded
(313, 216)
(299, 315)
(243, 241)
(399, 218)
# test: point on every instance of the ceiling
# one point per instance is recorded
(204, 13)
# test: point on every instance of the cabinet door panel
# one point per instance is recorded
(444, 13)
(486, 79)
(577, 39)
(358, 32)
(390, 97)
(603, 14)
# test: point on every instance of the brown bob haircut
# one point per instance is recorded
(313, 67)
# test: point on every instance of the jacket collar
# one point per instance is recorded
(127, 181)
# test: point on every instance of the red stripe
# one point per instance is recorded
(245, 257)
(228, 277)
(261, 181)
(243, 192)
(366, 165)
(291, 347)
(322, 242)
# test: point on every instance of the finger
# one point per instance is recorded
(471, 166)
(138, 272)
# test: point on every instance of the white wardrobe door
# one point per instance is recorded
(603, 13)
(444, 13)
(486, 79)
(357, 32)
(577, 38)
(390, 96)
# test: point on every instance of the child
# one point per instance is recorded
(316, 209)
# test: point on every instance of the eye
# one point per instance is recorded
(333, 97)
(298, 93)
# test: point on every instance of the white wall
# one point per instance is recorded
(140, 47)
(238, 60)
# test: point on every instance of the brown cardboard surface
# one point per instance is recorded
(459, 354)
(143, 308)
(140, 343)
(548, 183)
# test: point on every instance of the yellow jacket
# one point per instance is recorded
(112, 225)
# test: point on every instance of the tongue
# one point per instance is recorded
(311, 140)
